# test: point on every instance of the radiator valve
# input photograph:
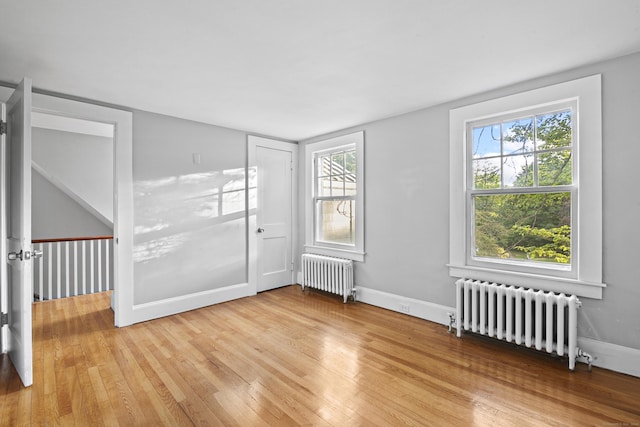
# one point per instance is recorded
(452, 321)
(582, 353)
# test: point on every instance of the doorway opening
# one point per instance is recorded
(121, 123)
(72, 206)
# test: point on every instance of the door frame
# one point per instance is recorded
(4, 287)
(122, 191)
(253, 142)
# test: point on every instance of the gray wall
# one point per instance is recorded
(189, 219)
(407, 185)
(56, 215)
(82, 163)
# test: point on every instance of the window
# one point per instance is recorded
(335, 197)
(526, 189)
(521, 188)
(335, 189)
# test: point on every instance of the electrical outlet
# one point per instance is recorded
(404, 308)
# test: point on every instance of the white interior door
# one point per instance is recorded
(16, 194)
(274, 216)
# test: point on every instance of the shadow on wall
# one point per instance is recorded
(190, 233)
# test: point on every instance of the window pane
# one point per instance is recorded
(338, 163)
(518, 136)
(336, 221)
(350, 185)
(518, 171)
(350, 161)
(486, 141)
(523, 227)
(554, 168)
(486, 173)
(324, 165)
(554, 130)
(337, 185)
(324, 186)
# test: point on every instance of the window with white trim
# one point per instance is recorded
(526, 190)
(335, 197)
(521, 192)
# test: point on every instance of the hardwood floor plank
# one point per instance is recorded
(288, 357)
(108, 417)
(11, 390)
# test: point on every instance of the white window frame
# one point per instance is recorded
(312, 244)
(585, 277)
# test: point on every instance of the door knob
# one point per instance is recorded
(24, 255)
(260, 230)
(12, 256)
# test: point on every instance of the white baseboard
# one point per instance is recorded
(413, 307)
(167, 307)
(612, 356)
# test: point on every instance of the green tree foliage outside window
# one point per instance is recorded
(532, 158)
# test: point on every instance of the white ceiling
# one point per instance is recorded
(293, 68)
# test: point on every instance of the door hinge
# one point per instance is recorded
(291, 265)
(3, 127)
(4, 319)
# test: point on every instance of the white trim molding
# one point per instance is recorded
(413, 307)
(527, 280)
(182, 303)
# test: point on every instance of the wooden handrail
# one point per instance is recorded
(71, 239)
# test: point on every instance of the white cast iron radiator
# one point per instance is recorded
(328, 274)
(537, 319)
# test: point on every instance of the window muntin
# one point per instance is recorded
(335, 191)
(521, 194)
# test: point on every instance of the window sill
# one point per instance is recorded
(338, 253)
(528, 280)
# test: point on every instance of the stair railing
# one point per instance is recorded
(72, 266)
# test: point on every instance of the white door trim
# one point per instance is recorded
(4, 286)
(123, 189)
(252, 247)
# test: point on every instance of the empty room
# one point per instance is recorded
(327, 213)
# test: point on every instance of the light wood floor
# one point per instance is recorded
(290, 358)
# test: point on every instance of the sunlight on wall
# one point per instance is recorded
(197, 220)
(253, 188)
